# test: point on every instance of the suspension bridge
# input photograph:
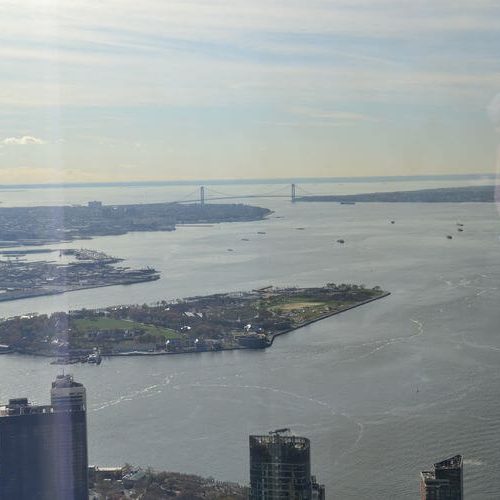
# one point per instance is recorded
(204, 194)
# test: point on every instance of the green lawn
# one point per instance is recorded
(85, 325)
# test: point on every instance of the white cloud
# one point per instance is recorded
(201, 19)
(215, 52)
(22, 141)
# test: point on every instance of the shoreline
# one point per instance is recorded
(31, 295)
(328, 315)
(113, 220)
(469, 194)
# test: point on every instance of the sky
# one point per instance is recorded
(120, 90)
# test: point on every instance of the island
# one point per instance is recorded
(226, 321)
(21, 278)
(43, 225)
(469, 194)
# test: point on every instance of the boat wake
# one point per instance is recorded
(358, 424)
(143, 392)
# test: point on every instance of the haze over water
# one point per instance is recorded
(382, 391)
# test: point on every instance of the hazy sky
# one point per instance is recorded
(187, 89)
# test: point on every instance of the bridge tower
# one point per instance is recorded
(202, 196)
(293, 193)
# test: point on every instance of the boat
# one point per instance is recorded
(94, 358)
(341, 241)
(348, 203)
(449, 236)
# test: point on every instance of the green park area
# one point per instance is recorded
(102, 324)
(302, 308)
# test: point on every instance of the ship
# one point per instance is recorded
(95, 357)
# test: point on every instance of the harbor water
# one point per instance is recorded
(383, 391)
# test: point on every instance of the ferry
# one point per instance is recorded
(94, 358)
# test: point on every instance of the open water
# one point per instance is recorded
(382, 391)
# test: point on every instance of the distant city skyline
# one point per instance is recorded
(185, 90)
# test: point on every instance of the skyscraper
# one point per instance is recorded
(43, 449)
(444, 481)
(66, 394)
(280, 468)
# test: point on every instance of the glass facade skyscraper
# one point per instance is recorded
(280, 467)
(43, 449)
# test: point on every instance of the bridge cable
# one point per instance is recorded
(186, 198)
(256, 195)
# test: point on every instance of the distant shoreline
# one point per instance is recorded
(42, 225)
(470, 194)
(279, 180)
(30, 294)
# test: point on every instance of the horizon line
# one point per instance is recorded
(271, 180)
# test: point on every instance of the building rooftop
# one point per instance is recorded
(428, 474)
(65, 381)
(21, 406)
(281, 437)
(70, 400)
(433, 476)
(450, 463)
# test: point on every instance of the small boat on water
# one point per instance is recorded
(449, 236)
(348, 203)
(94, 358)
(341, 241)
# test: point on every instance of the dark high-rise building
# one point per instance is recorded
(444, 481)
(43, 449)
(318, 490)
(280, 468)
